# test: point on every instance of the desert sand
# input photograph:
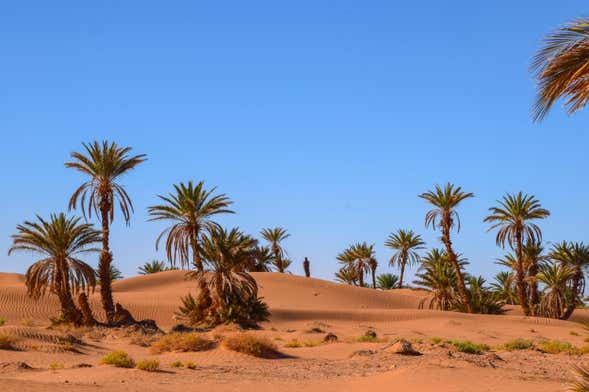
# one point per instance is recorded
(298, 305)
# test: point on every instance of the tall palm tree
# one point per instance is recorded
(275, 236)
(406, 243)
(191, 210)
(104, 163)
(60, 241)
(262, 259)
(533, 255)
(561, 69)
(575, 256)
(444, 216)
(514, 217)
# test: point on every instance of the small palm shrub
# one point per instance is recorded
(118, 359)
(183, 342)
(518, 344)
(148, 365)
(250, 344)
(387, 281)
(152, 267)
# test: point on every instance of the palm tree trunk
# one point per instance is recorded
(360, 273)
(402, 273)
(69, 312)
(454, 260)
(571, 306)
(520, 275)
(278, 259)
(534, 296)
(373, 278)
(196, 259)
(105, 263)
(87, 316)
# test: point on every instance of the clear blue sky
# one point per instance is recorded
(325, 117)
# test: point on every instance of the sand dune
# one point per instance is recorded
(297, 304)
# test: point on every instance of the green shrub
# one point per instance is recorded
(518, 344)
(469, 347)
(183, 342)
(176, 364)
(557, 347)
(118, 359)
(250, 344)
(149, 365)
(190, 365)
(436, 340)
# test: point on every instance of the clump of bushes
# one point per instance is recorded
(250, 344)
(518, 344)
(557, 347)
(118, 359)
(182, 342)
(190, 365)
(294, 343)
(148, 365)
(176, 364)
(468, 347)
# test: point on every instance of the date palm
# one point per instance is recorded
(191, 210)
(373, 264)
(229, 287)
(574, 255)
(561, 69)
(104, 163)
(357, 257)
(152, 267)
(275, 236)
(444, 216)
(555, 297)
(60, 241)
(406, 243)
(514, 218)
(387, 281)
(347, 275)
(504, 287)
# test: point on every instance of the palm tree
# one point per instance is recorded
(358, 258)
(262, 259)
(152, 267)
(275, 236)
(561, 69)
(227, 284)
(373, 264)
(514, 217)
(554, 277)
(406, 243)
(104, 163)
(348, 275)
(533, 255)
(444, 216)
(581, 384)
(438, 275)
(504, 287)
(575, 256)
(190, 209)
(60, 240)
(387, 281)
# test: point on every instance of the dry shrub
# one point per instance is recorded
(182, 342)
(557, 347)
(191, 365)
(118, 359)
(148, 365)
(250, 344)
(518, 344)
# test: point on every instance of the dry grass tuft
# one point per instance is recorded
(295, 343)
(118, 359)
(557, 347)
(148, 365)
(190, 365)
(176, 364)
(250, 344)
(182, 342)
(56, 366)
(518, 344)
